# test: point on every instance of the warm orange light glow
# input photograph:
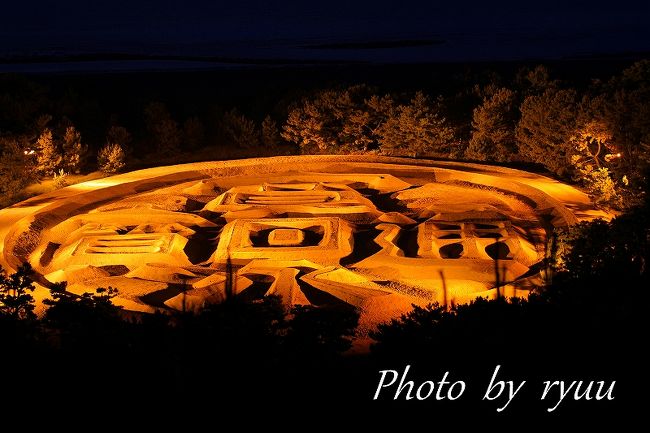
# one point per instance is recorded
(358, 231)
(611, 156)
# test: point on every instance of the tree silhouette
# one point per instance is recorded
(16, 301)
(271, 137)
(193, 133)
(319, 333)
(163, 129)
(65, 307)
(240, 131)
(628, 114)
(16, 168)
(534, 81)
(117, 134)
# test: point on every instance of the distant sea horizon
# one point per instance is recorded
(101, 56)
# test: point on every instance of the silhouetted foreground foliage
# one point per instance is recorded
(89, 347)
(16, 301)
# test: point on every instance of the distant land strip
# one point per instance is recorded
(101, 57)
(374, 45)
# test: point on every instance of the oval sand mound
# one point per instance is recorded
(374, 232)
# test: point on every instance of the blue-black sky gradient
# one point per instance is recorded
(265, 29)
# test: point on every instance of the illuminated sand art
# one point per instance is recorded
(376, 233)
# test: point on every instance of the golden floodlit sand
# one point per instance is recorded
(376, 233)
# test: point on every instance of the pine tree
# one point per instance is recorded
(16, 169)
(111, 158)
(240, 130)
(362, 126)
(193, 133)
(119, 135)
(305, 126)
(534, 81)
(627, 114)
(493, 123)
(16, 300)
(163, 129)
(271, 138)
(547, 124)
(74, 152)
(335, 121)
(416, 128)
(312, 125)
(49, 159)
(591, 152)
(60, 179)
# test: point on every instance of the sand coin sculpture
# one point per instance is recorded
(375, 233)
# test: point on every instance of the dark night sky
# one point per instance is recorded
(255, 28)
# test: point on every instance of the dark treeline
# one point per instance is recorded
(581, 121)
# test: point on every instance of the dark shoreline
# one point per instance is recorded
(99, 63)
